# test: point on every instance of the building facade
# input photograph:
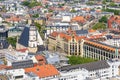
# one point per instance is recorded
(99, 51)
(85, 46)
(100, 70)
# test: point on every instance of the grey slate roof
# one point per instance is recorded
(109, 36)
(88, 66)
(15, 29)
(79, 32)
(22, 64)
(41, 48)
(24, 37)
(4, 44)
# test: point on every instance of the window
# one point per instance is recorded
(72, 40)
(40, 59)
(112, 66)
(34, 45)
(16, 77)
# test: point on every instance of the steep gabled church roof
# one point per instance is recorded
(24, 38)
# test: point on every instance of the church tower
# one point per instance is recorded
(32, 44)
(30, 39)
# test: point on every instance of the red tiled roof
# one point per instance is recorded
(55, 8)
(100, 45)
(113, 19)
(5, 67)
(86, 9)
(98, 10)
(67, 37)
(41, 59)
(36, 7)
(79, 19)
(43, 71)
(91, 30)
(118, 21)
(80, 37)
(13, 19)
(54, 34)
(87, 16)
(22, 50)
(48, 15)
(44, 1)
(116, 1)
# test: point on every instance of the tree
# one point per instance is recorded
(35, 15)
(116, 12)
(73, 11)
(99, 26)
(38, 26)
(89, 3)
(31, 4)
(112, 4)
(12, 41)
(103, 19)
(104, 1)
(50, 10)
(25, 3)
(60, 5)
(46, 6)
(73, 60)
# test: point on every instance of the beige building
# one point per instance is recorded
(92, 47)
(69, 43)
(41, 21)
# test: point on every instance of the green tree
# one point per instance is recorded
(60, 5)
(46, 6)
(73, 11)
(35, 15)
(89, 3)
(112, 4)
(12, 41)
(99, 26)
(50, 10)
(25, 3)
(104, 1)
(73, 60)
(31, 4)
(116, 12)
(38, 26)
(103, 19)
(41, 29)
(5, 61)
